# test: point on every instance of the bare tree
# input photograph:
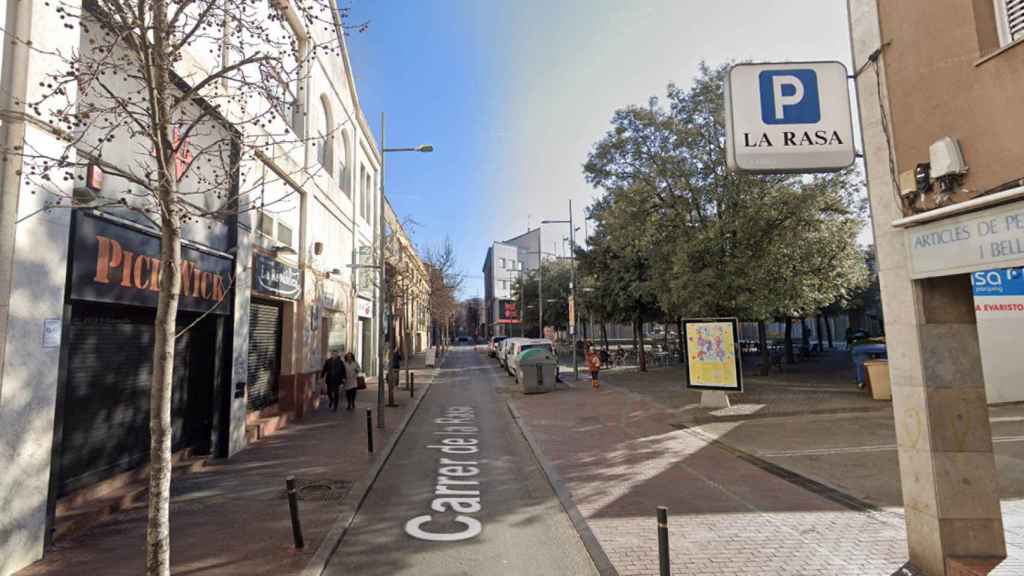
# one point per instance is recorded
(445, 282)
(177, 102)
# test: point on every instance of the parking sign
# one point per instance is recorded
(791, 117)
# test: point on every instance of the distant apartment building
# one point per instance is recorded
(505, 262)
(939, 85)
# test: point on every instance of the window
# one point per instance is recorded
(504, 284)
(325, 154)
(501, 263)
(344, 180)
(275, 229)
(284, 234)
(266, 224)
(1010, 18)
(362, 191)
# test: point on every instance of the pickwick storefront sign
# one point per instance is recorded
(112, 263)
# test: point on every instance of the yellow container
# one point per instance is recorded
(878, 379)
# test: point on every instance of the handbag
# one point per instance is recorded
(360, 382)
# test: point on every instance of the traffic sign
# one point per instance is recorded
(788, 118)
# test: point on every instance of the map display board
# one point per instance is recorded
(712, 352)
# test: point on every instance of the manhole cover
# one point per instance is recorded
(320, 490)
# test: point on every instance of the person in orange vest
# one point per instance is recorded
(594, 364)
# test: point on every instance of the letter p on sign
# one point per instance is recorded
(789, 97)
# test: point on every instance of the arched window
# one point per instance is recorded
(344, 178)
(326, 155)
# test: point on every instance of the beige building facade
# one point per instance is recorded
(408, 288)
(931, 75)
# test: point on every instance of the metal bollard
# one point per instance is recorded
(663, 540)
(412, 384)
(293, 506)
(369, 431)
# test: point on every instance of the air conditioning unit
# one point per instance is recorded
(945, 158)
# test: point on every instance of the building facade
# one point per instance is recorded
(939, 85)
(268, 289)
(505, 263)
(408, 289)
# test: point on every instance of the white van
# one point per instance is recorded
(524, 344)
(505, 349)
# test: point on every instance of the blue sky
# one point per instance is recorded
(513, 93)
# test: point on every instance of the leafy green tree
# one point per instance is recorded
(556, 279)
(716, 242)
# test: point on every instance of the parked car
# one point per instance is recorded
(520, 347)
(492, 346)
(505, 350)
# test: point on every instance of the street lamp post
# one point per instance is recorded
(572, 285)
(381, 378)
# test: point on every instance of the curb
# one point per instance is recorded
(597, 556)
(357, 495)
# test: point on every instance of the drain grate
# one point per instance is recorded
(320, 489)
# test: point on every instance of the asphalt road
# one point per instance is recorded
(519, 528)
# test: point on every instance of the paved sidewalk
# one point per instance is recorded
(735, 506)
(232, 516)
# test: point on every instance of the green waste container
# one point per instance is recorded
(537, 371)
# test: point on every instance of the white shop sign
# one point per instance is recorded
(792, 117)
(992, 238)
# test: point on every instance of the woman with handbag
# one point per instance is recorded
(353, 380)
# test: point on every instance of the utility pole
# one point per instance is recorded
(381, 378)
(572, 286)
(540, 285)
(572, 293)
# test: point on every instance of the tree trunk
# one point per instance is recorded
(828, 332)
(405, 343)
(665, 336)
(634, 334)
(805, 335)
(158, 529)
(642, 354)
(762, 345)
(790, 359)
(604, 335)
(818, 333)
(682, 340)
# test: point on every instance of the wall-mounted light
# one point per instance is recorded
(318, 248)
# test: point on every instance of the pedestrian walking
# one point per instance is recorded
(333, 374)
(352, 375)
(594, 364)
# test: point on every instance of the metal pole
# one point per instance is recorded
(572, 290)
(369, 431)
(412, 385)
(293, 507)
(663, 541)
(522, 302)
(381, 380)
(540, 285)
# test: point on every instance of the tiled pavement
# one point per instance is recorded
(232, 516)
(628, 448)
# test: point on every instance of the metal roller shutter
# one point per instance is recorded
(106, 407)
(264, 352)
